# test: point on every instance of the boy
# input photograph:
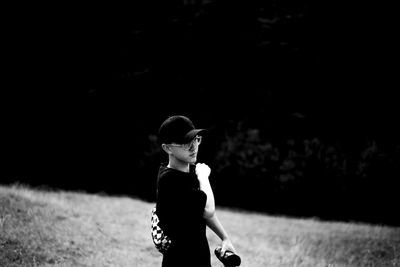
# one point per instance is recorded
(185, 200)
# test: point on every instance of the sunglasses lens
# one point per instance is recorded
(196, 141)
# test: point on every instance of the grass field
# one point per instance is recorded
(59, 228)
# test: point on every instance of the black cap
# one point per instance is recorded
(178, 129)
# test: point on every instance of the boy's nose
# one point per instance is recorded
(193, 147)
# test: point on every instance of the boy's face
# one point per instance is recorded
(186, 153)
(187, 156)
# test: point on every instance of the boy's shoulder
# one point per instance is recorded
(166, 173)
(170, 175)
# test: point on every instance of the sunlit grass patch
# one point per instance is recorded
(278, 241)
(23, 237)
(77, 229)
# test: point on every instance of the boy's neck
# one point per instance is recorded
(178, 165)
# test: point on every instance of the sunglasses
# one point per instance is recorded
(189, 146)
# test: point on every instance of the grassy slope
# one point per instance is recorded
(50, 228)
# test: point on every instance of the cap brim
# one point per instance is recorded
(192, 134)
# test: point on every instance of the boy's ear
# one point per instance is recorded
(166, 148)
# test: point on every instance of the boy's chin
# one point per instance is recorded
(193, 160)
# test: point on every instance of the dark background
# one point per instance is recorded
(299, 98)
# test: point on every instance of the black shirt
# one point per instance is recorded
(180, 206)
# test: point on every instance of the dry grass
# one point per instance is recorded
(73, 229)
(50, 228)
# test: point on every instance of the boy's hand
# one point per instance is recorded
(227, 245)
(202, 171)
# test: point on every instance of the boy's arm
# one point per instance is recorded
(215, 225)
(203, 172)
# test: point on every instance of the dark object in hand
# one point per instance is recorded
(229, 259)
